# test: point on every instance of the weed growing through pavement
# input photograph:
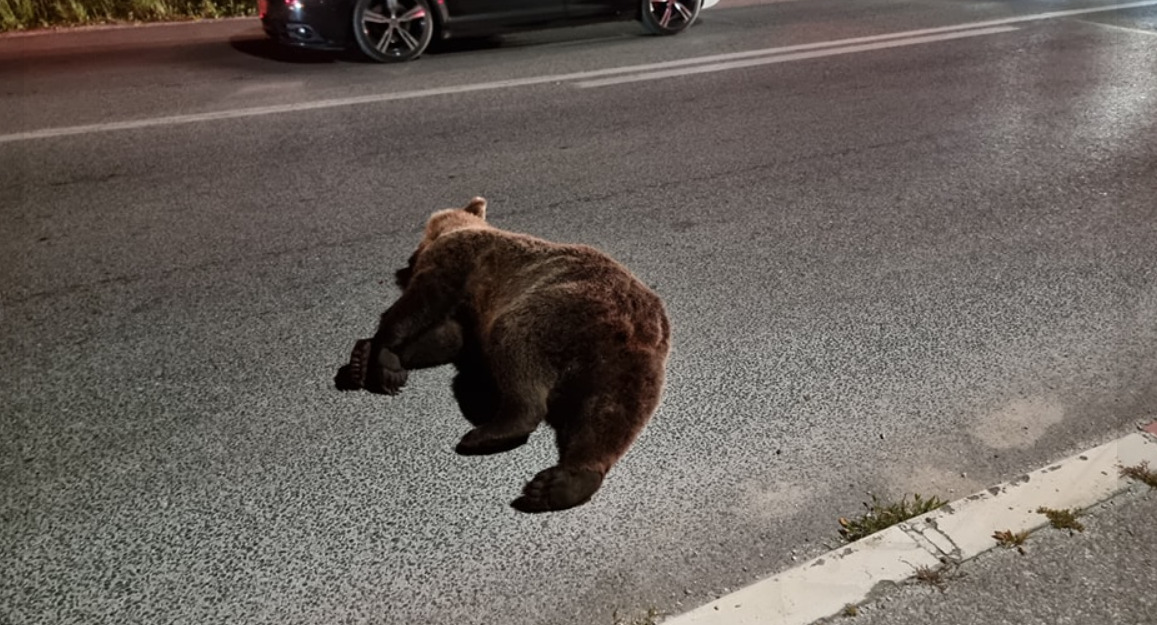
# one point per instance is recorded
(1141, 473)
(931, 576)
(1008, 540)
(645, 619)
(880, 516)
(851, 610)
(1062, 519)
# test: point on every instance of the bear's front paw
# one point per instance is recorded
(352, 377)
(386, 375)
(347, 380)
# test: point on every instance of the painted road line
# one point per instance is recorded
(1052, 15)
(1135, 31)
(797, 56)
(175, 120)
(258, 111)
(957, 532)
(172, 120)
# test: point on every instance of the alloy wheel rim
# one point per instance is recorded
(398, 38)
(670, 13)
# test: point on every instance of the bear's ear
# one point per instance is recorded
(477, 207)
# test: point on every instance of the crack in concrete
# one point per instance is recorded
(930, 538)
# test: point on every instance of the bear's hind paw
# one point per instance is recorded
(558, 488)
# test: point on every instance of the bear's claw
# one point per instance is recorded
(352, 377)
(386, 378)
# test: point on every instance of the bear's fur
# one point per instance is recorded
(538, 331)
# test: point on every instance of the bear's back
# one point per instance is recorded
(570, 292)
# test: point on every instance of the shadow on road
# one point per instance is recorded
(265, 48)
(465, 44)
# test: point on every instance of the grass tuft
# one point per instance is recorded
(1008, 540)
(646, 619)
(851, 610)
(881, 515)
(1141, 473)
(931, 576)
(1062, 519)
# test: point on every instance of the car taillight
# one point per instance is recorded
(262, 7)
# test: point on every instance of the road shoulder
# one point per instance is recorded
(945, 539)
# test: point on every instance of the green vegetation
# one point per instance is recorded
(880, 516)
(1141, 473)
(851, 610)
(25, 14)
(1062, 519)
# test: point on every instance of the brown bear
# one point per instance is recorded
(538, 331)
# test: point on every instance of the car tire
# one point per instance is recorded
(393, 31)
(669, 17)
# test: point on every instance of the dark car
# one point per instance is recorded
(400, 30)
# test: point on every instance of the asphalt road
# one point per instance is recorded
(895, 265)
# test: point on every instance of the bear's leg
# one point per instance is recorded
(508, 427)
(386, 372)
(521, 384)
(588, 445)
(593, 433)
(522, 380)
(476, 393)
(440, 345)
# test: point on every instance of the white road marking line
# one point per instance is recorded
(173, 120)
(798, 56)
(1136, 31)
(1052, 15)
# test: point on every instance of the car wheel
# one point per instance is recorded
(667, 17)
(390, 31)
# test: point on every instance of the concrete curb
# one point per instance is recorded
(957, 532)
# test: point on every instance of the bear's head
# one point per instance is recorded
(473, 215)
(470, 217)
